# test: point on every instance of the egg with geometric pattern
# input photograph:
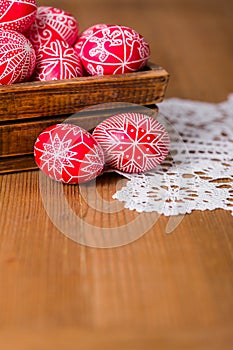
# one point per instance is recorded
(17, 57)
(132, 142)
(57, 60)
(69, 154)
(51, 24)
(114, 49)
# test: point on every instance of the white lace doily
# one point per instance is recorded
(198, 174)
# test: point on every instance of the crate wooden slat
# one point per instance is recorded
(16, 164)
(17, 155)
(44, 99)
(26, 109)
(18, 139)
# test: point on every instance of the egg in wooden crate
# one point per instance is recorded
(114, 50)
(52, 24)
(17, 57)
(17, 15)
(57, 60)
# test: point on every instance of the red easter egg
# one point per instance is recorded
(69, 154)
(85, 34)
(17, 14)
(57, 60)
(114, 50)
(17, 57)
(132, 142)
(50, 24)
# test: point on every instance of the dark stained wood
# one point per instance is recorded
(19, 163)
(54, 98)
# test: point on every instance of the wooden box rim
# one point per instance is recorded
(152, 70)
(33, 100)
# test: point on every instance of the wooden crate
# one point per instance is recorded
(28, 108)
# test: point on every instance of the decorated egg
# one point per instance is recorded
(68, 153)
(85, 34)
(114, 50)
(51, 24)
(17, 57)
(132, 142)
(17, 14)
(57, 60)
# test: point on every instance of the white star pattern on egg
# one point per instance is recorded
(57, 154)
(132, 142)
(69, 154)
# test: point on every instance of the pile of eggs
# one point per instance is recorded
(43, 43)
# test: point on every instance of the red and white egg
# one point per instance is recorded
(17, 14)
(132, 142)
(68, 153)
(114, 50)
(51, 24)
(57, 60)
(17, 57)
(85, 34)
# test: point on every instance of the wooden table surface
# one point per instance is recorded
(161, 291)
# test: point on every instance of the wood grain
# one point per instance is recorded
(54, 98)
(161, 291)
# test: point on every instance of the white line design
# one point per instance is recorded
(117, 49)
(132, 142)
(9, 18)
(57, 61)
(69, 154)
(17, 57)
(52, 23)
